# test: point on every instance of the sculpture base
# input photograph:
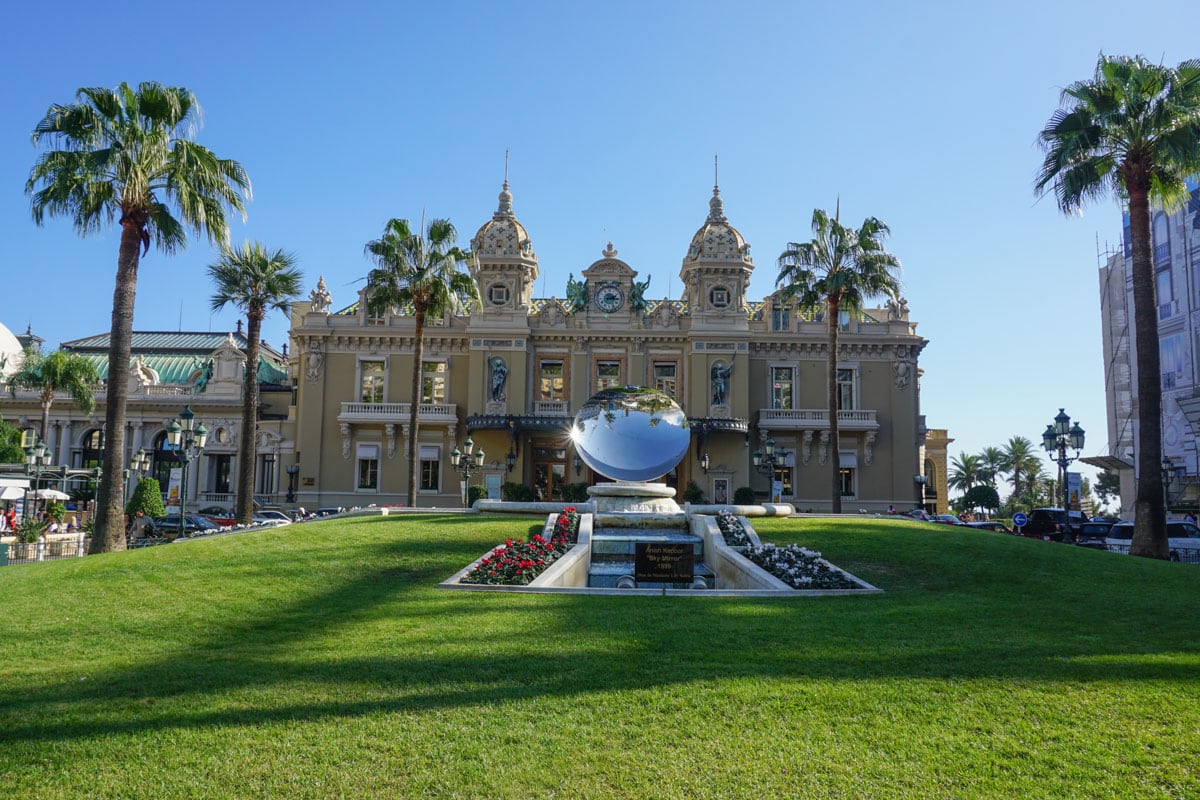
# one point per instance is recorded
(633, 498)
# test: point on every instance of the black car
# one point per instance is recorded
(1048, 524)
(989, 525)
(1092, 534)
(194, 523)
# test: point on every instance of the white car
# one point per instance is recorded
(1183, 540)
(271, 517)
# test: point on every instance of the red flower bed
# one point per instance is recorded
(517, 563)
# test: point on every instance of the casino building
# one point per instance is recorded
(511, 374)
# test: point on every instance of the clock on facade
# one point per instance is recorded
(609, 297)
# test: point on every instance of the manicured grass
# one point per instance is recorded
(319, 661)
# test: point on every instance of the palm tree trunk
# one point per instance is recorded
(47, 400)
(109, 533)
(248, 451)
(1149, 521)
(414, 454)
(835, 459)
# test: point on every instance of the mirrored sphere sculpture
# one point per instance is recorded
(631, 433)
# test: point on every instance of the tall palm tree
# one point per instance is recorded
(421, 271)
(255, 281)
(991, 464)
(837, 270)
(60, 371)
(964, 472)
(1019, 462)
(1133, 130)
(126, 154)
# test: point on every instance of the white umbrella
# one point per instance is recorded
(51, 494)
(11, 493)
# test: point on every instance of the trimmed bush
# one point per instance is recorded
(575, 493)
(693, 493)
(147, 497)
(516, 492)
(476, 492)
(744, 496)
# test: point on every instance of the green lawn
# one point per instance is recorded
(320, 661)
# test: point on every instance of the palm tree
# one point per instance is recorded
(59, 371)
(991, 464)
(421, 271)
(964, 472)
(255, 281)
(1133, 130)
(836, 271)
(126, 154)
(1019, 461)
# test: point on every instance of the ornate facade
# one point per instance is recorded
(512, 373)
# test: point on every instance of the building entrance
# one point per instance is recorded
(549, 471)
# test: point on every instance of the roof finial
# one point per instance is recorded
(506, 166)
(716, 183)
(504, 210)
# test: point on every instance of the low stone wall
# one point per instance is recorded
(733, 571)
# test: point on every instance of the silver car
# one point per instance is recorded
(1183, 540)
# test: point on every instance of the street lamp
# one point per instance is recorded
(510, 460)
(292, 471)
(767, 458)
(36, 459)
(188, 442)
(139, 465)
(1168, 471)
(704, 462)
(466, 462)
(920, 481)
(1057, 438)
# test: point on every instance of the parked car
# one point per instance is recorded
(1048, 523)
(271, 517)
(193, 523)
(1183, 540)
(989, 525)
(1092, 534)
(947, 519)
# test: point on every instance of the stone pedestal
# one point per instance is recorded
(633, 498)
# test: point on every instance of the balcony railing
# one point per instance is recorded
(551, 408)
(800, 418)
(1162, 253)
(397, 412)
(1168, 309)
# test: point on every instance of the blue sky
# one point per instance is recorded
(922, 114)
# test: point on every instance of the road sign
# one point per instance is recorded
(1020, 520)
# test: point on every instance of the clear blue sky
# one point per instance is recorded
(922, 114)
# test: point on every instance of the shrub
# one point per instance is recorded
(147, 498)
(56, 510)
(476, 492)
(517, 563)
(744, 496)
(516, 492)
(575, 493)
(28, 530)
(693, 493)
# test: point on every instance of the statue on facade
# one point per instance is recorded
(720, 382)
(577, 295)
(320, 297)
(637, 296)
(201, 375)
(499, 378)
(143, 372)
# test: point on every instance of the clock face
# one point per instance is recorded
(609, 297)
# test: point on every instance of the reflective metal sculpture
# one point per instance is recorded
(631, 433)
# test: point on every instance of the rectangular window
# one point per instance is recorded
(608, 374)
(550, 382)
(431, 468)
(665, 377)
(781, 319)
(370, 381)
(845, 390)
(781, 387)
(433, 382)
(1165, 294)
(1171, 357)
(784, 476)
(266, 473)
(368, 468)
(848, 470)
(847, 482)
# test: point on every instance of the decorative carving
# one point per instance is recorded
(637, 296)
(806, 448)
(823, 448)
(577, 295)
(320, 297)
(869, 448)
(389, 430)
(903, 371)
(314, 360)
(344, 428)
(201, 374)
(897, 308)
(720, 382)
(143, 373)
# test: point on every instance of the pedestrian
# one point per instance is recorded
(138, 528)
(1189, 517)
(891, 509)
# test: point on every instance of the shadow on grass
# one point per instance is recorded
(383, 640)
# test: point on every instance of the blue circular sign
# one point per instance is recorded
(1020, 520)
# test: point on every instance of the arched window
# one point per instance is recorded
(1161, 240)
(163, 460)
(92, 451)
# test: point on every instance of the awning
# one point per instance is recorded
(1115, 463)
(16, 483)
(848, 460)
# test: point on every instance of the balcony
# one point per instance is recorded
(815, 419)
(1167, 310)
(551, 408)
(397, 413)
(1162, 254)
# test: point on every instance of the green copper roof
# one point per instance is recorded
(176, 355)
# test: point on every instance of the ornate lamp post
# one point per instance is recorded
(1168, 472)
(139, 465)
(920, 481)
(1056, 439)
(37, 458)
(292, 471)
(188, 442)
(466, 462)
(766, 459)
